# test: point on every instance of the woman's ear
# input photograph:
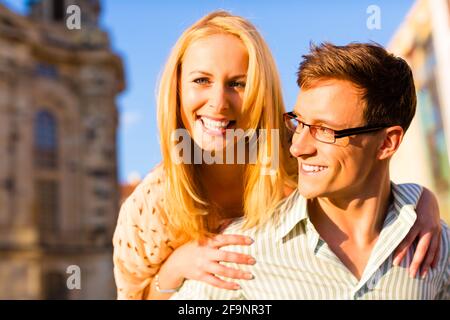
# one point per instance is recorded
(392, 138)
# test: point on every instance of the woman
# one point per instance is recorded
(219, 76)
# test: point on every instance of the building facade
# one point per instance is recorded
(423, 40)
(59, 193)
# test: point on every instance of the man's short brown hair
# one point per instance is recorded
(386, 80)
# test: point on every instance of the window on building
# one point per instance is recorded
(430, 111)
(47, 206)
(54, 286)
(45, 140)
(58, 10)
(46, 70)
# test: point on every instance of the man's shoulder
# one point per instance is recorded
(406, 193)
(238, 227)
(445, 229)
(445, 243)
(280, 213)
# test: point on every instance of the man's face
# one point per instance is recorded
(344, 168)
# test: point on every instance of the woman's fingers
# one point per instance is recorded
(215, 269)
(222, 240)
(426, 254)
(419, 254)
(437, 254)
(224, 271)
(228, 256)
(431, 254)
(403, 247)
(219, 283)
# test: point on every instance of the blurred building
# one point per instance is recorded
(59, 194)
(424, 41)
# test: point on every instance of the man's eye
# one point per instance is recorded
(326, 131)
(237, 84)
(201, 81)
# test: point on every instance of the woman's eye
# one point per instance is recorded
(237, 84)
(201, 81)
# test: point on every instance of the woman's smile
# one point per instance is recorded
(214, 126)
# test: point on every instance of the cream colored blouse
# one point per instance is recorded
(141, 239)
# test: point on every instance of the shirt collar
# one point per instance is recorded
(294, 209)
(399, 220)
(291, 212)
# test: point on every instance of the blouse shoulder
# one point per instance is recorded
(152, 182)
(148, 196)
(145, 203)
(155, 176)
(141, 239)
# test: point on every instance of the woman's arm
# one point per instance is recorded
(201, 261)
(140, 252)
(134, 263)
(144, 247)
(427, 232)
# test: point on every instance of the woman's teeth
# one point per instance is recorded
(213, 124)
(309, 168)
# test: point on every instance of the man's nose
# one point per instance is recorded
(303, 143)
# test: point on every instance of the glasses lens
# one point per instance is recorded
(323, 134)
(291, 123)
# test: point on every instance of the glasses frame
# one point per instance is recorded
(337, 133)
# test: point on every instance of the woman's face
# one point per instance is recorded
(213, 78)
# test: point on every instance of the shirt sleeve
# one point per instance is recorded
(444, 293)
(140, 246)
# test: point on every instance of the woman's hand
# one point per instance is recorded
(201, 261)
(427, 231)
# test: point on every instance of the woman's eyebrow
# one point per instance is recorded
(239, 76)
(201, 72)
(209, 74)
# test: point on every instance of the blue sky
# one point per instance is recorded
(143, 32)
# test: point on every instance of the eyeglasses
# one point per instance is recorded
(324, 134)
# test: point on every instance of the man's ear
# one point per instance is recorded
(392, 137)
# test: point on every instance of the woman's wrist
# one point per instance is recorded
(161, 290)
(169, 276)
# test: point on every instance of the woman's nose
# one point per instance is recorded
(218, 98)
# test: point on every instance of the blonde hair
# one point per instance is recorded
(186, 207)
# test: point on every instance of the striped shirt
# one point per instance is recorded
(293, 262)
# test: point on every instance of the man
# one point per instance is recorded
(334, 237)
